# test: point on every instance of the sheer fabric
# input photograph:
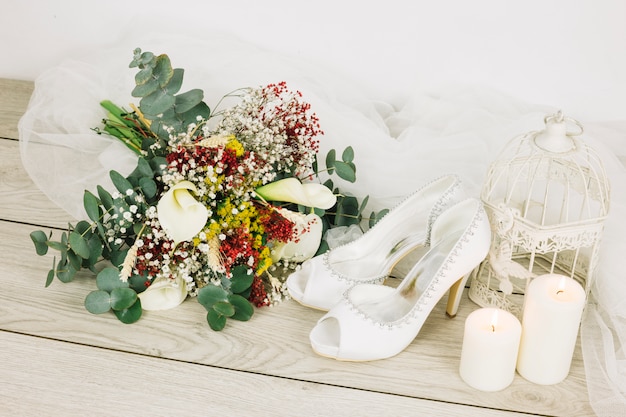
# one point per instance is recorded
(451, 129)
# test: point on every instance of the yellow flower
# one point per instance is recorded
(236, 146)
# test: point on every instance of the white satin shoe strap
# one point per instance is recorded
(315, 285)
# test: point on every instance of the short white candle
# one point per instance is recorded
(490, 345)
(553, 306)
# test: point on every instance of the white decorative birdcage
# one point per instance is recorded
(547, 196)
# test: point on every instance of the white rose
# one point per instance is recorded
(163, 294)
(307, 237)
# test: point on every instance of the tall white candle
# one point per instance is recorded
(553, 307)
(490, 345)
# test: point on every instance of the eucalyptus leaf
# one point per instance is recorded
(95, 249)
(39, 238)
(345, 171)
(118, 256)
(50, 276)
(158, 165)
(65, 271)
(130, 315)
(364, 203)
(145, 89)
(75, 260)
(173, 86)
(146, 58)
(84, 228)
(347, 211)
(122, 298)
(191, 115)
(140, 59)
(241, 279)
(375, 217)
(92, 206)
(158, 127)
(188, 100)
(330, 160)
(78, 244)
(142, 169)
(121, 183)
(224, 308)
(137, 227)
(143, 76)
(148, 187)
(243, 308)
(157, 102)
(56, 245)
(109, 279)
(98, 302)
(211, 294)
(137, 283)
(101, 232)
(136, 58)
(348, 154)
(163, 70)
(216, 321)
(105, 198)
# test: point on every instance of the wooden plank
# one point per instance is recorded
(14, 97)
(44, 377)
(274, 343)
(20, 199)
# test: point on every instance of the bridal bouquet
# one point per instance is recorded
(221, 206)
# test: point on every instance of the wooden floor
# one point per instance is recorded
(58, 359)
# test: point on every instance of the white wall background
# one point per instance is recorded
(565, 53)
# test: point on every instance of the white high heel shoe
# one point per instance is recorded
(376, 322)
(321, 281)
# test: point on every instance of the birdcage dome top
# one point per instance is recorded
(549, 178)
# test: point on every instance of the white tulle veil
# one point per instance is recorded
(451, 129)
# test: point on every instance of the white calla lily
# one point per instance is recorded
(180, 214)
(308, 235)
(291, 190)
(163, 294)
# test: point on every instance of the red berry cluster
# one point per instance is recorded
(237, 249)
(258, 294)
(276, 226)
(300, 125)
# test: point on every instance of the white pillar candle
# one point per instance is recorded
(490, 345)
(553, 307)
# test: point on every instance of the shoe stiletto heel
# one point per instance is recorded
(454, 298)
(375, 322)
(321, 281)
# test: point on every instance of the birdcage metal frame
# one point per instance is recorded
(547, 196)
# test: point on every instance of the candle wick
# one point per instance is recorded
(493, 328)
(559, 292)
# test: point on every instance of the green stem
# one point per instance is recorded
(231, 94)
